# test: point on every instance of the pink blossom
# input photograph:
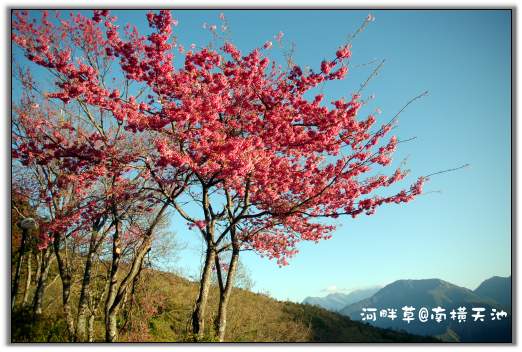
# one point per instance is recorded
(231, 118)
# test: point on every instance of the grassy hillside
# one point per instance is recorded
(162, 309)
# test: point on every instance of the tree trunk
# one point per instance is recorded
(83, 306)
(95, 300)
(65, 274)
(40, 286)
(16, 280)
(118, 293)
(38, 267)
(111, 327)
(90, 328)
(66, 295)
(27, 280)
(221, 322)
(18, 270)
(111, 330)
(110, 314)
(198, 316)
(83, 303)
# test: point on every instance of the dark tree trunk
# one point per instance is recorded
(96, 298)
(16, 280)
(38, 267)
(118, 293)
(18, 268)
(221, 322)
(111, 330)
(83, 303)
(27, 280)
(40, 286)
(66, 295)
(66, 277)
(110, 314)
(111, 327)
(198, 316)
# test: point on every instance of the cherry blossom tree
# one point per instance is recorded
(267, 162)
(255, 147)
(90, 180)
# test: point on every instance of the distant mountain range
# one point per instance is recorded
(337, 301)
(494, 293)
(498, 289)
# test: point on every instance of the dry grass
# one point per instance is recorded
(161, 312)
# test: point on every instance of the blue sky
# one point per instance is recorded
(462, 58)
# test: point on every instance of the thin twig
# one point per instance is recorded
(18, 211)
(374, 73)
(448, 170)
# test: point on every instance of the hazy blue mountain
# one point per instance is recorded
(431, 293)
(498, 289)
(337, 301)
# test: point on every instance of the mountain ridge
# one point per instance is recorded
(338, 300)
(432, 293)
(497, 288)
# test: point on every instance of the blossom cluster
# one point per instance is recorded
(232, 120)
